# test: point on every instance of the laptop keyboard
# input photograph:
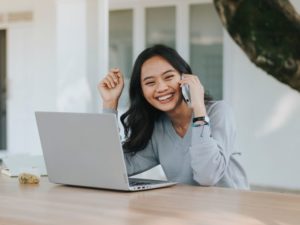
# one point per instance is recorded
(135, 183)
(138, 182)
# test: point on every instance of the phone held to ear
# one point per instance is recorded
(186, 94)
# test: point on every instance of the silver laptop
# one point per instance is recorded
(85, 149)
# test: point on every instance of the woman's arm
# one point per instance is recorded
(110, 89)
(140, 161)
(212, 146)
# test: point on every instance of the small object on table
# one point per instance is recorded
(28, 178)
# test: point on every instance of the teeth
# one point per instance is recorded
(164, 97)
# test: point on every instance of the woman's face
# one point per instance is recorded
(159, 81)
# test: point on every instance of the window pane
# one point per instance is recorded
(206, 48)
(120, 46)
(160, 26)
(2, 89)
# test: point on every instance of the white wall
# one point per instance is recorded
(267, 113)
(82, 53)
(30, 70)
(47, 63)
(72, 85)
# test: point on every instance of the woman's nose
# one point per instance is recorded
(161, 86)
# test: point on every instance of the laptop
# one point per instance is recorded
(13, 165)
(84, 149)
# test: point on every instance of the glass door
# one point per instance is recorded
(120, 47)
(161, 26)
(206, 48)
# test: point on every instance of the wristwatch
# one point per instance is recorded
(200, 121)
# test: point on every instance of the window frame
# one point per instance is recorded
(182, 38)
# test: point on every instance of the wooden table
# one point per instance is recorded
(48, 203)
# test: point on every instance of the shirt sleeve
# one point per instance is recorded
(138, 162)
(141, 161)
(112, 111)
(212, 145)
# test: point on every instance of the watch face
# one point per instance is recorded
(206, 119)
(201, 123)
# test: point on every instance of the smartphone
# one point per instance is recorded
(186, 94)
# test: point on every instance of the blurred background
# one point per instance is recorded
(54, 52)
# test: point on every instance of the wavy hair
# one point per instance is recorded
(139, 119)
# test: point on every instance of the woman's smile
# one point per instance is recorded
(165, 98)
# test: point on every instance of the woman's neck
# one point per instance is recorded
(180, 118)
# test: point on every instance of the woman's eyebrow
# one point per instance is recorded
(147, 78)
(171, 70)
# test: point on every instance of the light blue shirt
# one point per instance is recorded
(205, 156)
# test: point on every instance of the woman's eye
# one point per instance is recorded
(169, 77)
(149, 83)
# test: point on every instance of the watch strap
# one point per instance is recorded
(203, 119)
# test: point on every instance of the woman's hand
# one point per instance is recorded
(196, 93)
(110, 88)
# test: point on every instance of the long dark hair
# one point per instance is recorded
(139, 119)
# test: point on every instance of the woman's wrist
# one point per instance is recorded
(110, 105)
(199, 110)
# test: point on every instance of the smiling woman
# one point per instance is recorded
(195, 144)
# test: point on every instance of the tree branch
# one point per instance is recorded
(269, 33)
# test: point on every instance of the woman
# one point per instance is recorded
(194, 143)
